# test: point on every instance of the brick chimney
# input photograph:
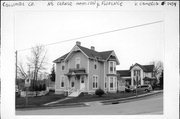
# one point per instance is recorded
(92, 48)
(78, 43)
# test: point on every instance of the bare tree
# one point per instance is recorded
(37, 61)
(21, 73)
(158, 68)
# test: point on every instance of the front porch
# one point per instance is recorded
(77, 81)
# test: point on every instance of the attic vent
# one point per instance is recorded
(78, 43)
(92, 48)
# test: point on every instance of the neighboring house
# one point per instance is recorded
(143, 74)
(126, 75)
(85, 70)
(50, 85)
(124, 79)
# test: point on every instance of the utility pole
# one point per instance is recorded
(16, 67)
(136, 84)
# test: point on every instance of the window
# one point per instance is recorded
(95, 66)
(115, 85)
(62, 82)
(136, 72)
(82, 80)
(77, 63)
(72, 84)
(112, 67)
(137, 77)
(112, 83)
(105, 84)
(95, 82)
(62, 67)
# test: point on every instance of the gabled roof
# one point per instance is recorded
(124, 72)
(61, 58)
(90, 53)
(145, 68)
(105, 54)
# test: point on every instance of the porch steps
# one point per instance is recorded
(75, 94)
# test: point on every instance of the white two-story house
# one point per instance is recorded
(85, 70)
(142, 74)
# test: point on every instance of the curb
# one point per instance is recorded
(34, 107)
(85, 104)
(128, 99)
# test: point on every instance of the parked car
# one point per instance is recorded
(146, 88)
(129, 89)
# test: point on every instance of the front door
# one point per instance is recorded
(82, 83)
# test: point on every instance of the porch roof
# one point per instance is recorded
(148, 79)
(74, 72)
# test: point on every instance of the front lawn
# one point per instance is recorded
(38, 101)
(89, 98)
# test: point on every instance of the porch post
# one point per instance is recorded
(69, 82)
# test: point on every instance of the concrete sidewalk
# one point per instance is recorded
(55, 102)
(123, 100)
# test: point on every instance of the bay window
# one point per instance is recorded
(112, 67)
(112, 83)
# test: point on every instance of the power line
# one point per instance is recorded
(98, 34)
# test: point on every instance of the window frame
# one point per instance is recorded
(112, 65)
(95, 82)
(113, 83)
(62, 80)
(77, 61)
(95, 65)
(63, 67)
(73, 84)
(105, 83)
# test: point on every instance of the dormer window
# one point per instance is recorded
(112, 67)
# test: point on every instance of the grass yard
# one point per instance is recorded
(37, 101)
(88, 98)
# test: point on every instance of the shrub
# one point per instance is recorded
(127, 90)
(44, 87)
(99, 92)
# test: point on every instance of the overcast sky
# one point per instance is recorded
(136, 45)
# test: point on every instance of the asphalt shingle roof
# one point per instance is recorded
(124, 72)
(145, 68)
(90, 53)
(61, 58)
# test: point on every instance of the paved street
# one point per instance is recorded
(149, 105)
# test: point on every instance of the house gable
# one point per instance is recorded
(114, 57)
(145, 68)
(75, 49)
(136, 67)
